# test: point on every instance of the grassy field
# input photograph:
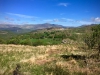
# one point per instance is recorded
(64, 59)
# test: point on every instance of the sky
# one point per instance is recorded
(61, 12)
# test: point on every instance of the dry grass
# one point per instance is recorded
(33, 59)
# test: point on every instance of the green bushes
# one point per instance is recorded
(89, 40)
(73, 37)
(93, 38)
(38, 38)
(42, 38)
(38, 42)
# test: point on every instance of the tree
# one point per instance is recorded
(93, 38)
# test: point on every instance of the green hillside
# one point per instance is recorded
(49, 36)
(41, 37)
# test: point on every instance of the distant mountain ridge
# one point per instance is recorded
(40, 26)
(28, 27)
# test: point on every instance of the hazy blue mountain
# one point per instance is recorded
(27, 27)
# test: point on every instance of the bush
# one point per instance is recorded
(38, 42)
(93, 39)
(89, 41)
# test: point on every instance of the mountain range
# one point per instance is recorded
(28, 27)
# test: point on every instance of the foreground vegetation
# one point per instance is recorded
(69, 59)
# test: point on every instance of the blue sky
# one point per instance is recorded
(62, 12)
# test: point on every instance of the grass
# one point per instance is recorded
(47, 60)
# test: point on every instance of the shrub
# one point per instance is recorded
(93, 39)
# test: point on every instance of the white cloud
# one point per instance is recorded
(97, 19)
(84, 22)
(78, 21)
(63, 4)
(71, 21)
(21, 15)
(59, 20)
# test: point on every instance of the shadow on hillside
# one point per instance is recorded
(77, 57)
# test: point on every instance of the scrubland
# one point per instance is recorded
(63, 59)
